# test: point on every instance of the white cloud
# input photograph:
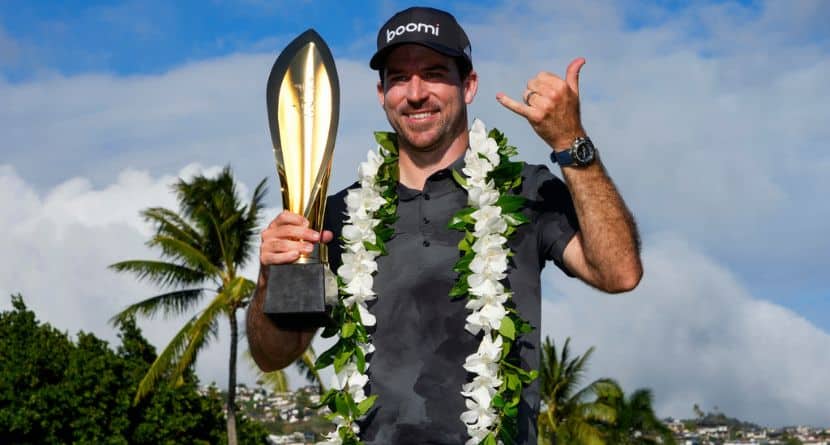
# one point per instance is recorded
(210, 112)
(693, 334)
(712, 121)
(58, 245)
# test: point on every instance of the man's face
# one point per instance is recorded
(424, 97)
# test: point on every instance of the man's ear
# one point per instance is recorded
(470, 87)
(381, 95)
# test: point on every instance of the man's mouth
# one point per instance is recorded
(421, 115)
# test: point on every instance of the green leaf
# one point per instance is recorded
(522, 326)
(510, 203)
(361, 335)
(462, 218)
(505, 348)
(327, 357)
(337, 317)
(347, 330)
(489, 440)
(364, 406)
(341, 405)
(497, 135)
(387, 140)
(507, 329)
(463, 264)
(466, 243)
(460, 288)
(461, 180)
(384, 232)
(517, 218)
(360, 358)
(513, 382)
(507, 171)
(330, 331)
(352, 405)
(498, 401)
(326, 398)
(508, 431)
(351, 439)
(342, 358)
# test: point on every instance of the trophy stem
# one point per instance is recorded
(319, 254)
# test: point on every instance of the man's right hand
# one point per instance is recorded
(287, 237)
(274, 347)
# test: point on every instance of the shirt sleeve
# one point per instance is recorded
(552, 213)
(333, 220)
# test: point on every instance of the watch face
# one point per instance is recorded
(584, 152)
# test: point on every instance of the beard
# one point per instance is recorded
(434, 133)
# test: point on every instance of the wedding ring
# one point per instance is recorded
(528, 96)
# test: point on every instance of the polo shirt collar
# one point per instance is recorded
(438, 183)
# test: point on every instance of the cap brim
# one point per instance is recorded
(379, 59)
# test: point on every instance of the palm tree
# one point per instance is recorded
(276, 380)
(636, 422)
(568, 416)
(203, 248)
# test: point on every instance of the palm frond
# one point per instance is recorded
(160, 273)
(190, 255)
(170, 223)
(276, 381)
(162, 363)
(181, 350)
(239, 291)
(603, 389)
(203, 330)
(248, 226)
(599, 412)
(305, 363)
(218, 241)
(584, 433)
(606, 389)
(256, 204)
(170, 303)
(228, 223)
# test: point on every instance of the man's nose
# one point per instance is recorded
(416, 90)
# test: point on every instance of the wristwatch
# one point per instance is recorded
(581, 153)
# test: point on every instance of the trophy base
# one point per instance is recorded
(296, 295)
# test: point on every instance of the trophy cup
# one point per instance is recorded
(303, 97)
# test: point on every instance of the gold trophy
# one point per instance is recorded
(303, 97)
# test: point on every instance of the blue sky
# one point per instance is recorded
(145, 37)
(710, 116)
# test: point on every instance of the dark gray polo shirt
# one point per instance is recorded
(420, 340)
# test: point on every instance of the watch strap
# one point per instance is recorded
(563, 158)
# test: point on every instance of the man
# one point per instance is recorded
(426, 81)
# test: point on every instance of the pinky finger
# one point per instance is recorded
(280, 258)
(513, 105)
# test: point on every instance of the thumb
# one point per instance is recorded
(572, 74)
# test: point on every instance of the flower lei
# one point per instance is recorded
(492, 215)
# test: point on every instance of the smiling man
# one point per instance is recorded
(582, 225)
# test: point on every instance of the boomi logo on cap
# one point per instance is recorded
(412, 27)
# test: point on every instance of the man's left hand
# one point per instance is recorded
(551, 105)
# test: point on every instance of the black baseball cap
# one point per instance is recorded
(430, 27)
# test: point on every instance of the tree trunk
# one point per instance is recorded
(232, 440)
